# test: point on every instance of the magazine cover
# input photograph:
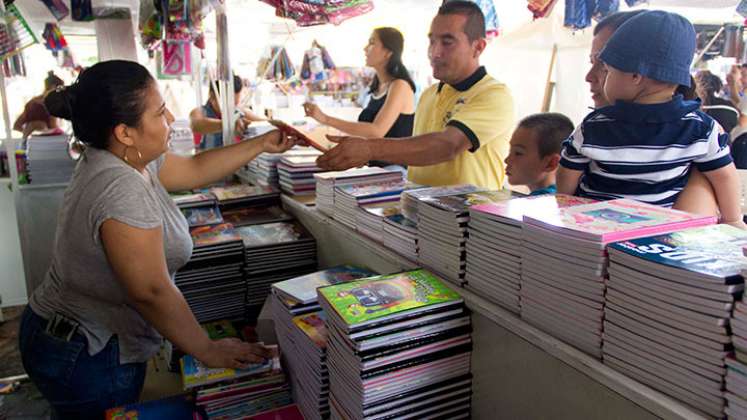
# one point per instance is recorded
(178, 407)
(444, 191)
(462, 202)
(303, 289)
(516, 208)
(402, 222)
(714, 250)
(233, 192)
(376, 297)
(382, 210)
(195, 374)
(289, 412)
(271, 233)
(255, 216)
(617, 219)
(313, 326)
(213, 235)
(374, 190)
(201, 216)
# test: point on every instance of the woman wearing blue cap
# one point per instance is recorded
(645, 144)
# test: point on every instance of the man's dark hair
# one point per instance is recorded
(474, 28)
(616, 20)
(551, 129)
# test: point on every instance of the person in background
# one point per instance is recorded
(535, 151)
(390, 110)
(644, 145)
(206, 123)
(462, 125)
(109, 294)
(698, 196)
(35, 118)
(723, 111)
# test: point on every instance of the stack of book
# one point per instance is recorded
(239, 196)
(562, 289)
(236, 393)
(297, 174)
(442, 231)
(349, 198)
(248, 216)
(370, 218)
(176, 407)
(495, 238)
(398, 346)
(301, 332)
(327, 182)
(190, 200)
(275, 252)
(400, 234)
(205, 215)
(263, 169)
(410, 199)
(213, 281)
(736, 364)
(667, 312)
(48, 161)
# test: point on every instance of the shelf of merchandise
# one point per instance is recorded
(519, 371)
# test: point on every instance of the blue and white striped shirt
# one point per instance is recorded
(644, 152)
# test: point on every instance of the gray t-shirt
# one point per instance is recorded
(80, 283)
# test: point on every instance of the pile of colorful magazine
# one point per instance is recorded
(442, 231)
(275, 252)
(400, 234)
(564, 262)
(410, 200)
(302, 334)
(495, 240)
(238, 196)
(349, 199)
(297, 174)
(668, 308)
(326, 183)
(213, 280)
(398, 346)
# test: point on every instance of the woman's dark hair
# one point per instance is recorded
(238, 84)
(393, 41)
(52, 81)
(105, 95)
(708, 86)
(688, 93)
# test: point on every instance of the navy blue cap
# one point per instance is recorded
(656, 44)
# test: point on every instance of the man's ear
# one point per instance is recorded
(480, 46)
(637, 78)
(121, 134)
(551, 163)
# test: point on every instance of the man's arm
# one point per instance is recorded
(424, 150)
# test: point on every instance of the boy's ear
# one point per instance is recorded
(551, 162)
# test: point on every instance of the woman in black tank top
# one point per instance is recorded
(391, 111)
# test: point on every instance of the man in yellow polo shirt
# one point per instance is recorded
(462, 125)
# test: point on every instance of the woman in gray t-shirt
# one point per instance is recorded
(108, 295)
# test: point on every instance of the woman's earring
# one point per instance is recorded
(124, 155)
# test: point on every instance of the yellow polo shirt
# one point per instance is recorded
(483, 109)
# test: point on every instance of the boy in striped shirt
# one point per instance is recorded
(644, 145)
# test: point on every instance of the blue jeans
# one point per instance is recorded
(77, 385)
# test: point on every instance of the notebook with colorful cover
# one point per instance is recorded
(462, 202)
(271, 234)
(255, 216)
(320, 142)
(180, 407)
(303, 289)
(713, 251)
(616, 220)
(195, 374)
(401, 222)
(193, 200)
(289, 412)
(220, 329)
(383, 189)
(236, 192)
(213, 235)
(379, 299)
(202, 216)
(513, 211)
(313, 326)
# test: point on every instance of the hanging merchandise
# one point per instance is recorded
(605, 8)
(632, 3)
(315, 61)
(15, 36)
(492, 28)
(277, 67)
(540, 8)
(81, 10)
(177, 58)
(310, 13)
(578, 13)
(57, 8)
(56, 43)
(742, 8)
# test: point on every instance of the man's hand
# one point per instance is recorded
(350, 152)
(277, 141)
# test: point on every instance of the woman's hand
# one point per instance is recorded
(241, 124)
(277, 141)
(233, 353)
(313, 111)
